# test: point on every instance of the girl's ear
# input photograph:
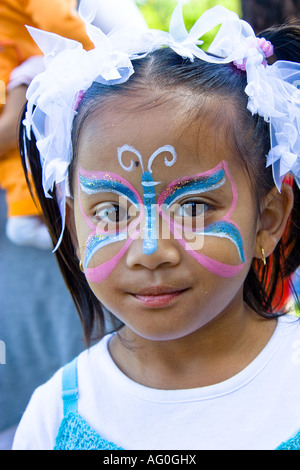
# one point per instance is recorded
(70, 223)
(273, 219)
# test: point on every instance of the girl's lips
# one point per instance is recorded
(157, 296)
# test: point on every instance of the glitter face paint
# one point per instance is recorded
(150, 241)
(105, 182)
(188, 186)
(91, 182)
(148, 185)
(225, 228)
(97, 182)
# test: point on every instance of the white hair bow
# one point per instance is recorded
(69, 69)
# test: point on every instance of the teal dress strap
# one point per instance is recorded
(70, 387)
(74, 433)
(291, 444)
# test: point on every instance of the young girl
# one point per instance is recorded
(152, 176)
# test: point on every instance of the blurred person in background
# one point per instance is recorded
(20, 61)
(24, 226)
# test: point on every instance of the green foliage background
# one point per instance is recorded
(157, 13)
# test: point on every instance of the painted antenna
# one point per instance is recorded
(148, 185)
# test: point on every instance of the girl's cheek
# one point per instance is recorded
(218, 247)
(99, 248)
(102, 254)
(219, 255)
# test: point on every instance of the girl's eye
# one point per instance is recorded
(190, 214)
(191, 209)
(112, 213)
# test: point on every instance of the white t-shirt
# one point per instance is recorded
(257, 408)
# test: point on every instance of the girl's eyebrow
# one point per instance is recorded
(107, 184)
(192, 185)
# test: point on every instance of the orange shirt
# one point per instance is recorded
(16, 44)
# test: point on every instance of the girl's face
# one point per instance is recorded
(165, 220)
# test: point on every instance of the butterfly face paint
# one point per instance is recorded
(105, 182)
(148, 184)
(92, 183)
(225, 228)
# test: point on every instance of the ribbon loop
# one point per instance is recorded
(273, 91)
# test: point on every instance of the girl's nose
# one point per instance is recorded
(167, 253)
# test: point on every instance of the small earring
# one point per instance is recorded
(263, 256)
(81, 266)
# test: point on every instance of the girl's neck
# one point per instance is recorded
(210, 355)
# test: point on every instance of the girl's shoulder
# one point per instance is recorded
(288, 329)
(289, 325)
(288, 341)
